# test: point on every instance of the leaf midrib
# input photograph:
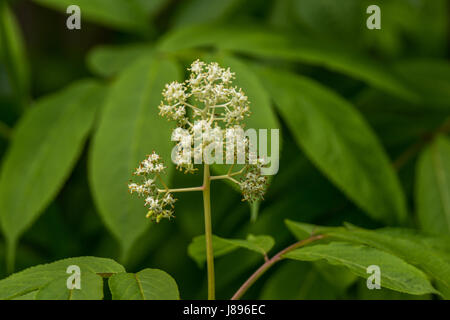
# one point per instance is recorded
(141, 290)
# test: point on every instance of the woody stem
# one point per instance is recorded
(268, 263)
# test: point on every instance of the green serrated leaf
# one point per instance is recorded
(433, 187)
(129, 129)
(429, 254)
(222, 246)
(91, 288)
(396, 274)
(23, 283)
(339, 142)
(46, 144)
(386, 294)
(148, 284)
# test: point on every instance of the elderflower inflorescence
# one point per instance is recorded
(253, 184)
(159, 202)
(207, 109)
(211, 88)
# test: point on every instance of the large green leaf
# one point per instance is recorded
(430, 254)
(339, 142)
(148, 284)
(12, 52)
(121, 14)
(129, 129)
(203, 11)
(268, 44)
(48, 281)
(222, 246)
(396, 274)
(91, 288)
(46, 144)
(107, 61)
(433, 187)
(385, 294)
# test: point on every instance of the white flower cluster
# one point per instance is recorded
(160, 207)
(203, 106)
(208, 109)
(150, 165)
(213, 97)
(159, 204)
(253, 184)
(194, 141)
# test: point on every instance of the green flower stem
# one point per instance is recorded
(258, 273)
(208, 231)
(225, 177)
(228, 175)
(182, 189)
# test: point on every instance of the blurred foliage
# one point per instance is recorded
(364, 118)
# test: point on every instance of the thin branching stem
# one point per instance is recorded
(270, 262)
(229, 176)
(182, 189)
